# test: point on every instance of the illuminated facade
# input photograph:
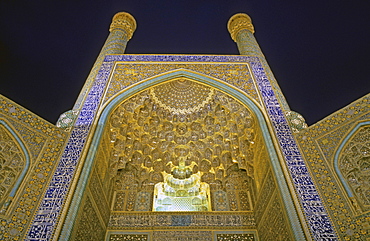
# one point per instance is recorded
(184, 147)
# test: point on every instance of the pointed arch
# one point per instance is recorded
(181, 73)
(343, 145)
(242, 97)
(10, 194)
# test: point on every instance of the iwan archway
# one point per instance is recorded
(182, 154)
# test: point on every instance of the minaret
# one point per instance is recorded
(241, 30)
(121, 30)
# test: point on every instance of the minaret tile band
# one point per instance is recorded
(121, 30)
(241, 30)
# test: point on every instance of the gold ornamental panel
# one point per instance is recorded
(182, 120)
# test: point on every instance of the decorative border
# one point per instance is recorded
(233, 232)
(176, 220)
(148, 236)
(46, 218)
(316, 215)
(181, 58)
(47, 215)
(110, 233)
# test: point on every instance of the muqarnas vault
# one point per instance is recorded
(184, 147)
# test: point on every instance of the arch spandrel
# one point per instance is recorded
(126, 74)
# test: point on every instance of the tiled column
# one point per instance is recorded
(121, 30)
(315, 219)
(52, 208)
(241, 30)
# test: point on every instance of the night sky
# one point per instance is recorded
(319, 51)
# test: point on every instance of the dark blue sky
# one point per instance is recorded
(319, 51)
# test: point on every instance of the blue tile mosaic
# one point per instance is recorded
(316, 215)
(49, 210)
